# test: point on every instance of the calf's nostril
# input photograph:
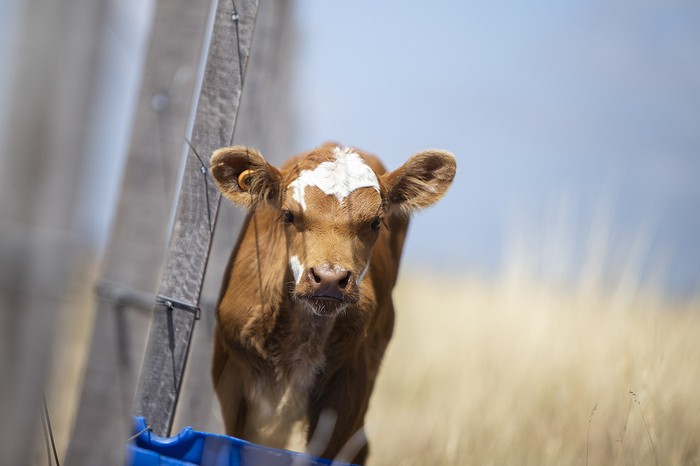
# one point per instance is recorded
(314, 276)
(344, 281)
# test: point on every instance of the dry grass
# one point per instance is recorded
(503, 374)
(509, 373)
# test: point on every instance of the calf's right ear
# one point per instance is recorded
(244, 177)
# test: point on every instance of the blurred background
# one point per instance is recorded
(575, 120)
(570, 120)
(576, 126)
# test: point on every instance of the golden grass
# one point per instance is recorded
(510, 373)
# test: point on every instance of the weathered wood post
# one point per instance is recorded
(179, 292)
(136, 248)
(48, 83)
(263, 122)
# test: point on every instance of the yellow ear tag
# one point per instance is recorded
(244, 179)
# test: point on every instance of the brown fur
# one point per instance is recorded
(283, 354)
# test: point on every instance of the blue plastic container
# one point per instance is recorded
(191, 447)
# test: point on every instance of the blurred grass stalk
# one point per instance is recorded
(506, 371)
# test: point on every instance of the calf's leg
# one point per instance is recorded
(347, 396)
(229, 390)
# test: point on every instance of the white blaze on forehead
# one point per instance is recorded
(338, 177)
(297, 268)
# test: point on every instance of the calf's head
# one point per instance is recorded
(333, 204)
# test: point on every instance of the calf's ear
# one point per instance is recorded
(244, 177)
(420, 182)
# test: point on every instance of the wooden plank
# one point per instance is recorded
(263, 122)
(50, 83)
(171, 327)
(136, 247)
(102, 422)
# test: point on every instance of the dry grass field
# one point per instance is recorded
(527, 374)
(512, 372)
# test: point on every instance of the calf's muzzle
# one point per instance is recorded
(329, 281)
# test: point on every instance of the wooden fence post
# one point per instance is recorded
(263, 122)
(50, 76)
(179, 292)
(136, 248)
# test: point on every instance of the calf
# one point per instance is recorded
(305, 312)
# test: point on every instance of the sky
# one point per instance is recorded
(576, 125)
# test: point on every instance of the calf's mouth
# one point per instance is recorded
(327, 305)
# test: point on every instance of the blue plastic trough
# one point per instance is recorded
(191, 447)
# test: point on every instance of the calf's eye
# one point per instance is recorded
(288, 217)
(376, 224)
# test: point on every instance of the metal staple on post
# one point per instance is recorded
(234, 13)
(204, 171)
(171, 304)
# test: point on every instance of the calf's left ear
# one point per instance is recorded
(420, 182)
(244, 177)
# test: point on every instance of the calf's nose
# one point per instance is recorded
(328, 282)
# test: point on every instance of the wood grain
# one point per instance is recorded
(171, 329)
(263, 122)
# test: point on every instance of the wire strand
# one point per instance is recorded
(46, 438)
(235, 16)
(47, 425)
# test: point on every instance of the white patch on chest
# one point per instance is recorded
(297, 268)
(273, 413)
(275, 410)
(338, 177)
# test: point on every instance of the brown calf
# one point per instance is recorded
(306, 312)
